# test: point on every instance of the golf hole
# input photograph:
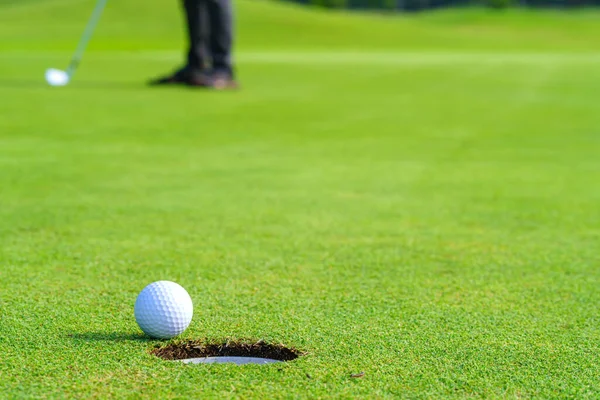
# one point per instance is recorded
(231, 351)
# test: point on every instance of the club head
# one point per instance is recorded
(56, 77)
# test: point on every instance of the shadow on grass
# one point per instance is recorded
(109, 337)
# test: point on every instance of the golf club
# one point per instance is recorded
(56, 77)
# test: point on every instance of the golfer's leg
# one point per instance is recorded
(195, 11)
(221, 34)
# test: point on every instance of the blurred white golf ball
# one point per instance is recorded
(56, 77)
(163, 309)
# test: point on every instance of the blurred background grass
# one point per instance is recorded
(281, 26)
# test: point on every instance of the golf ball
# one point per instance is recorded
(55, 77)
(163, 309)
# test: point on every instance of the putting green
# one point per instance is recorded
(411, 201)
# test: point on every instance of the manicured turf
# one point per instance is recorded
(415, 198)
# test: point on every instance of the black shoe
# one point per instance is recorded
(224, 81)
(219, 80)
(184, 76)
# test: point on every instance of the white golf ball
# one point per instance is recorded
(56, 77)
(163, 309)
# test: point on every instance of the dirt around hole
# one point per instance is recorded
(227, 348)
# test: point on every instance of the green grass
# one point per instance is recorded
(415, 198)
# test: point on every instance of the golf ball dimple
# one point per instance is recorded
(163, 309)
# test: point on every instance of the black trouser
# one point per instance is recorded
(210, 29)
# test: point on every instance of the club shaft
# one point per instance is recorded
(86, 36)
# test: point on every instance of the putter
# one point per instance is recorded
(57, 77)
